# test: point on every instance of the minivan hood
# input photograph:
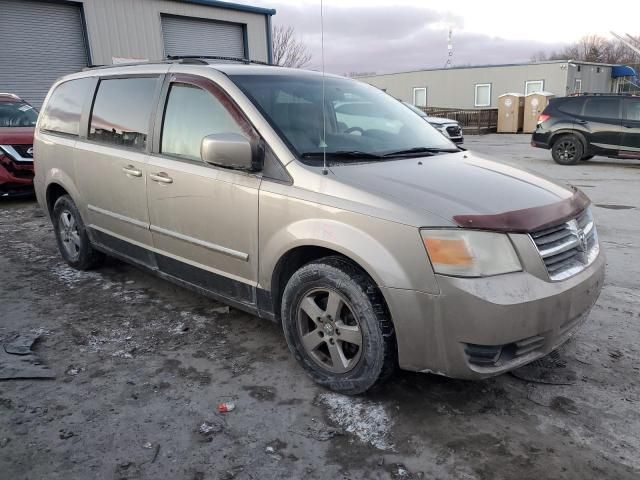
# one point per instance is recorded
(439, 121)
(454, 185)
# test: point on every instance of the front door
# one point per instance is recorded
(203, 219)
(112, 162)
(631, 128)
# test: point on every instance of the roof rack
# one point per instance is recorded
(589, 94)
(185, 59)
(202, 58)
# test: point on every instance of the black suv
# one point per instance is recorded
(578, 127)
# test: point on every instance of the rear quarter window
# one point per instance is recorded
(63, 110)
(571, 106)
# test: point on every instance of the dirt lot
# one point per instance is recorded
(140, 366)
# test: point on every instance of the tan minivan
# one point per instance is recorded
(323, 204)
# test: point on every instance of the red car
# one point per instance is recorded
(17, 124)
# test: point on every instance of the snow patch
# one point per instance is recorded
(368, 421)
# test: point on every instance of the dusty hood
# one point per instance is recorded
(462, 186)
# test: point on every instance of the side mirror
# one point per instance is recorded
(230, 150)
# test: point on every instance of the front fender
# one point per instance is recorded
(390, 253)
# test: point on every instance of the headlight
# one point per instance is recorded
(470, 253)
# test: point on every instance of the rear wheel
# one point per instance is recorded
(337, 326)
(567, 150)
(71, 235)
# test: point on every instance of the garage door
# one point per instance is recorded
(39, 42)
(194, 36)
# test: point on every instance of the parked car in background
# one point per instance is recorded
(17, 124)
(578, 127)
(449, 128)
(367, 235)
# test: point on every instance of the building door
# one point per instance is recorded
(204, 219)
(631, 128)
(195, 36)
(39, 42)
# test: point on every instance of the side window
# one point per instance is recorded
(190, 115)
(121, 111)
(571, 105)
(632, 110)
(62, 114)
(608, 108)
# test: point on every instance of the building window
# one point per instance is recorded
(420, 96)
(533, 86)
(579, 67)
(597, 69)
(483, 95)
(577, 86)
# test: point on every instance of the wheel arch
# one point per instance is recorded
(567, 131)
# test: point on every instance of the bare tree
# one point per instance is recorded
(288, 51)
(592, 48)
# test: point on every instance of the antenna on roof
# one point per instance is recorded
(323, 143)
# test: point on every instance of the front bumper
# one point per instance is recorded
(518, 315)
(15, 179)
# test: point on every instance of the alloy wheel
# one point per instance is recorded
(329, 331)
(69, 235)
(566, 150)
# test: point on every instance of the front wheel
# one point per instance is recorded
(567, 150)
(337, 326)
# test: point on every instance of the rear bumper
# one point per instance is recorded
(541, 139)
(482, 327)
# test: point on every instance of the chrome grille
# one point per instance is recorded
(454, 131)
(568, 248)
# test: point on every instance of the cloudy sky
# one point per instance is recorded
(389, 36)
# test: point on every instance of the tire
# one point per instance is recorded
(586, 157)
(357, 312)
(567, 150)
(71, 236)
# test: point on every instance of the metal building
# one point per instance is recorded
(42, 40)
(480, 87)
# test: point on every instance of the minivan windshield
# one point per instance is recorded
(362, 123)
(17, 114)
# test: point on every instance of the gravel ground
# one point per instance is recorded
(141, 365)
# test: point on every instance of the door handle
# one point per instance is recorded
(131, 170)
(582, 122)
(628, 126)
(161, 177)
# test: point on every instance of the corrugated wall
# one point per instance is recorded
(455, 88)
(132, 28)
(593, 81)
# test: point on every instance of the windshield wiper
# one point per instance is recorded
(420, 150)
(348, 154)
